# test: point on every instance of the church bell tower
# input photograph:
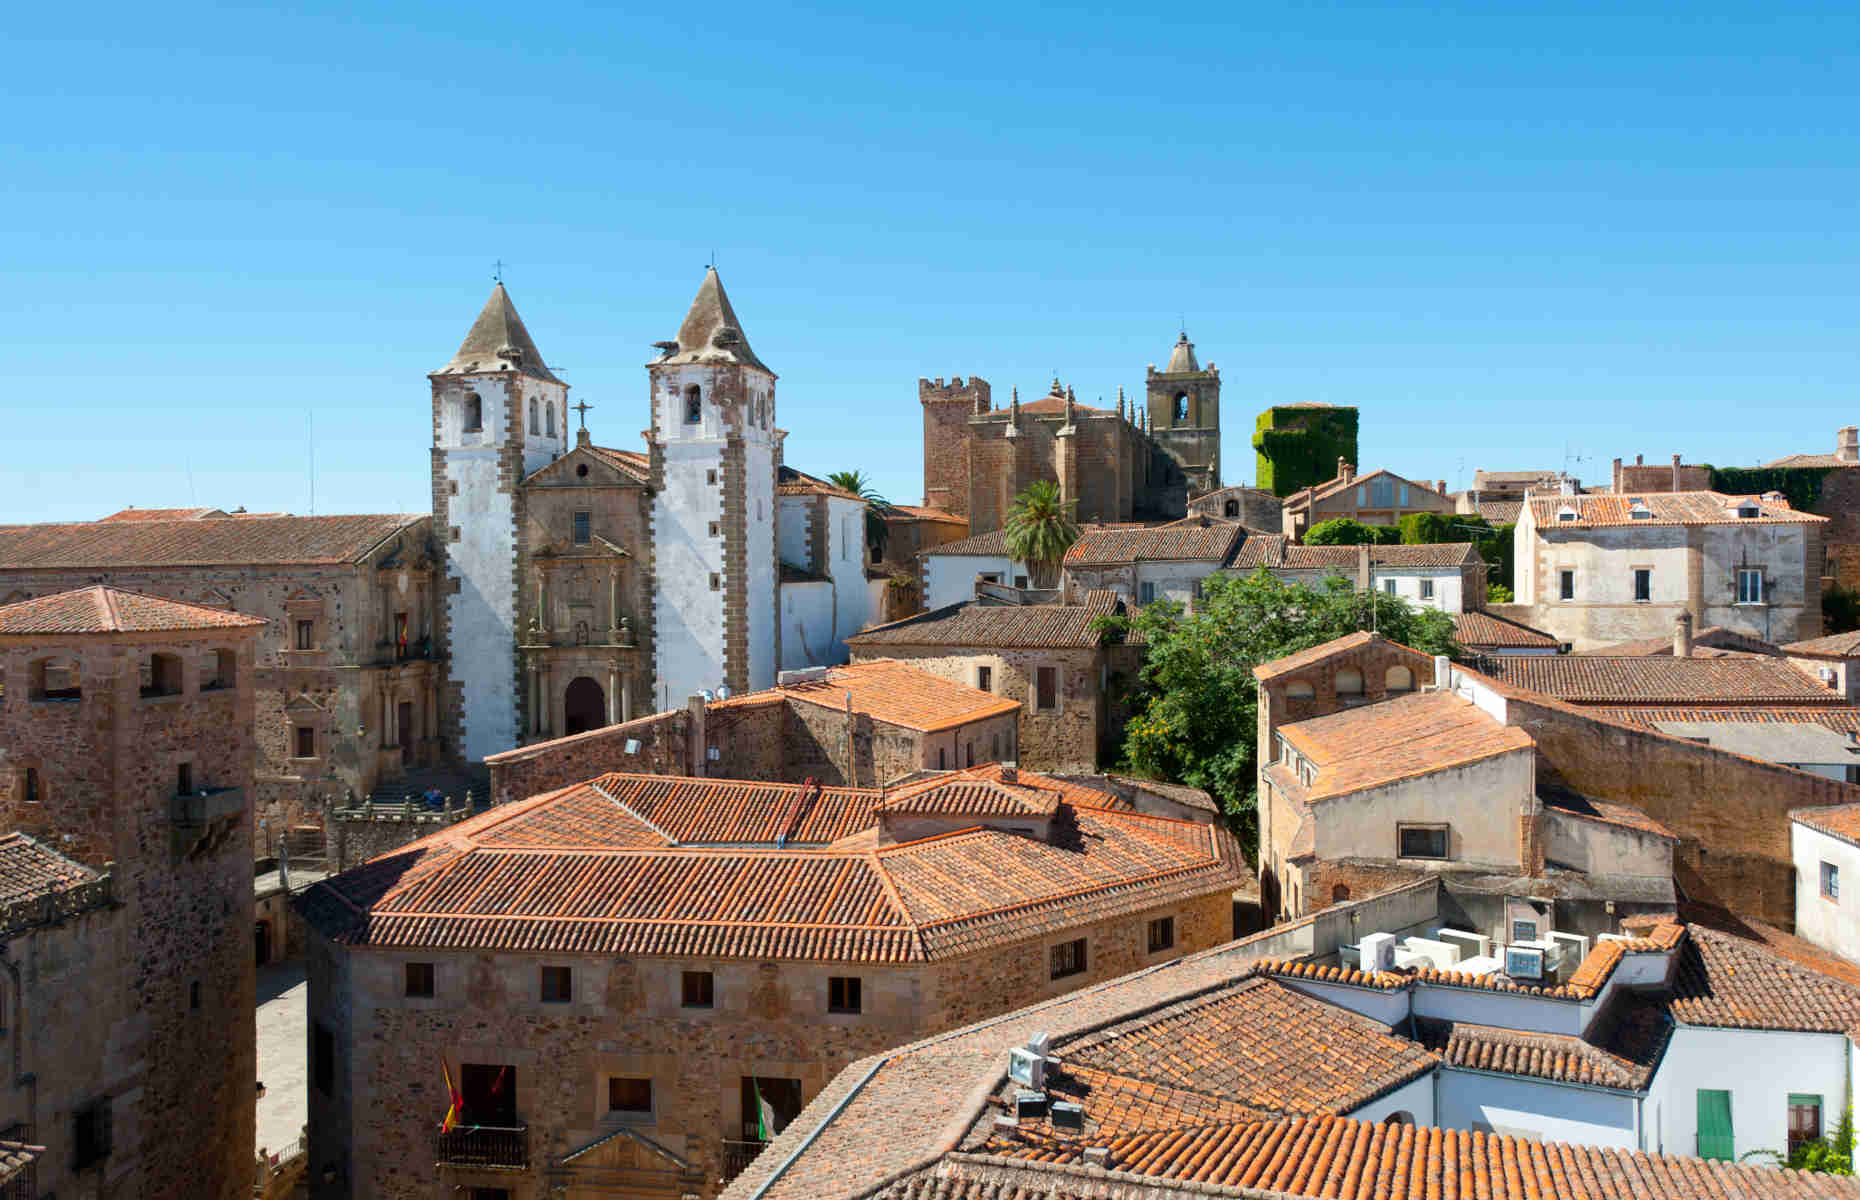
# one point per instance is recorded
(1185, 415)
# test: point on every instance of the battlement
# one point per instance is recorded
(975, 395)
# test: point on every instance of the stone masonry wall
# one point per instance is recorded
(664, 750)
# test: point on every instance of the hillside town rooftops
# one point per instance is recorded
(1203, 540)
(99, 609)
(1662, 508)
(1834, 645)
(1594, 679)
(893, 692)
(969, 624)
(201, 542)
(1476, 629)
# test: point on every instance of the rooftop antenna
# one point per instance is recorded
(1572, 456)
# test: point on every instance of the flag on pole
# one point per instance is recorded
(457, 1101)
(765, 1115)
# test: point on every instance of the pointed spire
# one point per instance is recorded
(498, 342)
(1120, 401)
(1182, 358)
(711, 332)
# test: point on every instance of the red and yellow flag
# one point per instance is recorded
(457, 1101)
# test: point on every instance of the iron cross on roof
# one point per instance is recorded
(582, 408)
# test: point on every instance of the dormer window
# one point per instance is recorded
(694, 405)
(1566, 513)
(1748, 509)
(1638, 510)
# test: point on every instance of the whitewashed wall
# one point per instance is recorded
(1415, 1098)
(807, 626)
(687, 613)
(846, 566)
(1760, 1069)
(950, 578)
(1552, 1111)
(1831, 924)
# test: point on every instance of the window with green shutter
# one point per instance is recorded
(1715, 1139)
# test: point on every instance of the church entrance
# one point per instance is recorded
(584, 706)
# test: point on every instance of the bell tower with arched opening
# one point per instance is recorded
(1184, 407)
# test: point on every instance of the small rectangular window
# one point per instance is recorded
(558, 985)
(633, 1097)
(1643, 584)
(700, 989)
(985, 678)
(1566, 585)
(1068, 958)
(716, 530)
(1162, 934)
(420, 980)
(90, 1134)
(1804, 1120)
(1421, 841)
(1427, 589)
(306, 742)
(843, 994)
(1046, 683)
(184, 779)
(1750, 585)
(306, 635)
(1146, 593)
(584, 528)
(1388, 585)
(1830, 881)
(193, 995)
(716, 582)
(323, 1059)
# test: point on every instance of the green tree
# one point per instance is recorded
(1498, 593)
(876, 532)
(1825, 1156)
(1040, 530)
(1347, 531)
(1196, 719)
(1494, 541)
(1840, 609)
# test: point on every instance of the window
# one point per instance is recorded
(90, 1134)
(1566, 584)
(1804, 1120)
(306, 635)
(1382, 492)
(1300, 689)
(306, 742)
(1398, 679)
(939, 758)
(1404, 495)
(1388, 585)
(164, 678)
(1046, 686)
(700, 989)
(534, 427)
(1230, 509)
(183, 779)
(694, 405)
(1020, 581)
(1747, 511)
(994, 748)
(716, 582)
(1162, 934)
(558, 985)
(1068, 958)
(420, 980)
(479, 1193)
(474, 413)
(193, 996)
(843, 994)
(1421, 841)
(1339, 893)
(1714, 1125)
(1181, 407)
(1427, 589)
(968, 755)
(1566, 514)
(1750, 585)
(985, 678)
(220, 669)
(1643, 584)
(490, 1093)
(630, 1097)
(323, 1058)
(1349, 682)
(584, 528)
(32, 785)
(710, 477)
(1362, 495)
(1523, 929)
(1146, 593)
(549, 420)
(1830, 881)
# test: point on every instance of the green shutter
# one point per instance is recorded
(1715, 1139)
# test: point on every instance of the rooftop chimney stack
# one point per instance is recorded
(1682, 635)
(1675, 472)
(1847, 444)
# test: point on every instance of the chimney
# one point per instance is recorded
(1638, 461)
(695, 743)
(1675, 472)
(1616, 477)
(1847, 444)
(1682, 635)
(1362, 568)
(1440, 485)
(1343, 469)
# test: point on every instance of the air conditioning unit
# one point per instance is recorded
(1525, 962)
(1479, 964)
(1471, 944)
(1574, 946)
(1378, 951)
(1442, 955)
(1027, 1068)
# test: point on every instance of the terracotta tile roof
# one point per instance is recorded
(99, 609)
(29, 868)
(917, 512)
(890, 691)
(1840, 820)
(964, 794)
(1841, 718)
(992, 544)
(1834, 645)
(1589, 679)
(1729, 981)
(1211, 542)
(1623, 815)
(1259, 550)
(574, 871)
(1323, 490)
(1499, 512)
(1052, 405)
(1398, 739)
(1181, 793)
(1797, 950)
(1297, 557)
(629, 462)
(1261, 1044)
(1712, 637)
(164, 514)
(1478, 630)
(790, 482)
(1668, 508)
(990, 626)
(1637, 1037)
(1306, 659)
(1812, 460)
(262, 541)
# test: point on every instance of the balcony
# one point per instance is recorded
(484, 1147)
(738, 1155)
(201, 821)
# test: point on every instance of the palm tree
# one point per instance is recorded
(1040, 530)
(876, 533)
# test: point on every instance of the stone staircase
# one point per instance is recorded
(455, 783)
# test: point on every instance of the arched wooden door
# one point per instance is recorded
(584, 706)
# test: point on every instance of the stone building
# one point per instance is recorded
(1837, 497)
(1641, 476)
(1145, 564)
(1377, 498)
(636, 981)
(345, 680)
(1113, 465)
(1591, 570)
(126, 758)
(1048, 658)
(1255, 508)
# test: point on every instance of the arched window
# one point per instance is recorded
(534, 427)
(1349, 682)
(549, 420)
(1299, 689)
(474, 413)
(1340, 893)
(694, 405)
(1181, 406)
(1231, 509)
(1398, 679)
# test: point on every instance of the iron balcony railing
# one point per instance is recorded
(737, 1156)
(497, 1147)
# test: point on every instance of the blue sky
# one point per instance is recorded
(1507, 234)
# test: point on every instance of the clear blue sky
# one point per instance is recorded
(1620, 228)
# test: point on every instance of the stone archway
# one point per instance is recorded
(584, 706)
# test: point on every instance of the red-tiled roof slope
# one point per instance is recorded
(890, 691)
(1667, 508)
(233, 541)
(1730, 981)
(164, 514)
(790, 482)
(1398, 739)
(630, 462)
(1840, 820)
(29, 868)
(987, 626)
(1558, 1057)
(1304, 659)
(992, 544)
(647, 810)
(1834, 645)
(1583, 679)
(1712, 637)
(1479, 630)
(1211, 541)
(99, 609)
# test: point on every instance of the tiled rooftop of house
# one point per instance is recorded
(29, 868)
(1834, 645)
(1323, 490)
(1731, 981)
(1664, 508)
(1398, 739)
(791, 482)
(1839, 717)
(986, 625)
(163, 514)
(1712, 637)
(1625, 816)
(1480, 630)
(99, 609)
(629, 462)
(999, 792)
(600, 868)
(1206, 540)
(263, 541)
(918, 512)
(895, 693)
(1267, 550)
(1627, 1061)
(1305, 659)
(992, 544)
(1813, 460)
(1841, 821)
(1587, 679)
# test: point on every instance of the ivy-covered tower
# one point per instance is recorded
(1299, 445)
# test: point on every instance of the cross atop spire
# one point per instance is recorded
(582, 408)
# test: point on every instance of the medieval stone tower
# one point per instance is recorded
(1185, 415)
(714, 452)
(498, 414)
(947, 409)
